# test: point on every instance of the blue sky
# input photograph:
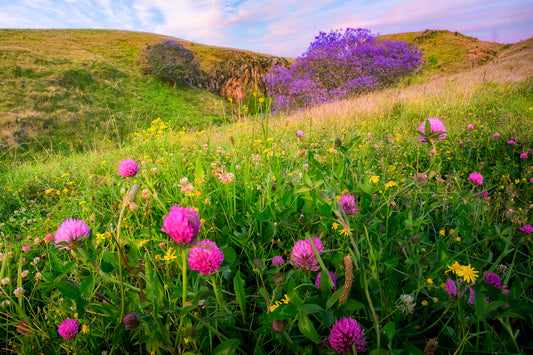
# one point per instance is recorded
(280, 27)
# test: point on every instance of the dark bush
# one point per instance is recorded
(172, 62)
(339, 64)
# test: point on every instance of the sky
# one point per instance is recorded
(279, 27)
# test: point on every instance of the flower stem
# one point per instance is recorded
(184, 275)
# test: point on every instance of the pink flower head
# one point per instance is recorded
(348, 204)
(470, 127)
(431, 152)
(277, 260)
(476, 178)
(420, 176)
(70, 231)
(205, 257)
(527, 229)
(472, 295)
(303, 255)
(279, 325)
(131, 321)
(26, 247)
(23, 328)
(511, 142)
(344, 334)
(436, 126)
(523, 156)
(300, 133)
(492, 279)
(182, 225)
(69, 328)
(333, 278)
(483, 193)
(128, 168)
(451, 288)
(496, 135)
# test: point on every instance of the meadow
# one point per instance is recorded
(422, 243)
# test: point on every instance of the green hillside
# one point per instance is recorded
(72, 90)
(449, 52)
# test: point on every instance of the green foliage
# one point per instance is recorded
(405, 236)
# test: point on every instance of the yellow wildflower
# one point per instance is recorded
(454, 268)
(468, 273)
(170, 255)
(430, 281)
(390, 184)
(84, 329)
(374, 179)
(345, 232)
(335, 225)
(424, 303)
(142, 243)
(442, 232)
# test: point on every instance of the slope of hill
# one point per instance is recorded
(450, 52)
(71, 90)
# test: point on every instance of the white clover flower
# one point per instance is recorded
(406, 304)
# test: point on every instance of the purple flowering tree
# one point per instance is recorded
(172, 62)
(339, 64)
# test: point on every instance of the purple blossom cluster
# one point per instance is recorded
(339, 64)
(172, 62)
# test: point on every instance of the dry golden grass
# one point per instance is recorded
(509, 69)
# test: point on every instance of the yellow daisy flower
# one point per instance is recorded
(455, 267)
(468, 273)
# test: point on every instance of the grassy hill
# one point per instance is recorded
(450, 52)
(74, 90)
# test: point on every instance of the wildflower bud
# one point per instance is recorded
(145, 194)
(501, 269)
(338, 142)
(415, 239)
(274, 186)
(132, 193)
(258, 263)
(131, 321)
(348, 276)
(278, 277)
(279, 325)
(23, 328)
(431, 347)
